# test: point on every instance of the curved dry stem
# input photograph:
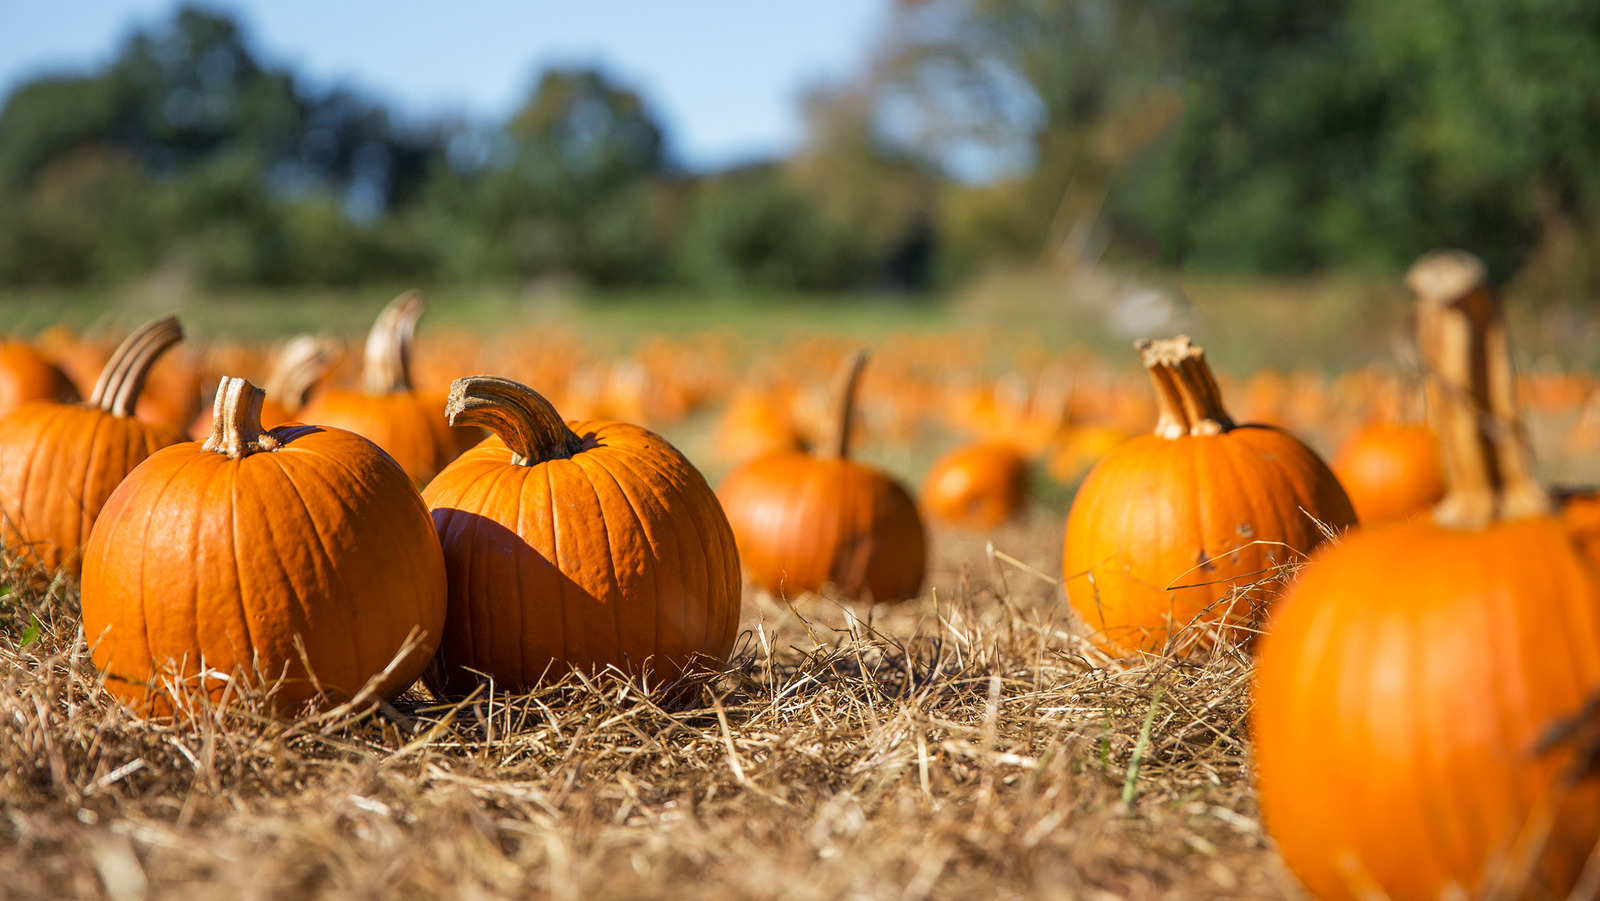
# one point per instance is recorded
(386, 366)
(849, 386)
(117, 390)
(301, 362)
(1188, 400)
(1483, 445)
(236, 421)
(523, 419)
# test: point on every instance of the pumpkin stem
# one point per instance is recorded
(117, 390)
(1187, 397)
(523, 419)
(236, 421)
(849, 384)
(300, 363)
(1461, 332)
(386, 366)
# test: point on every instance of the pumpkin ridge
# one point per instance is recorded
(555, 552)
(635, 477)
(456, 500)
(604, 464)
(281, 465)
(280, 470)
(612, 572)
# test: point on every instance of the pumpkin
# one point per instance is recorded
(575, 545)
(26, 374)
(1423, 692)
(59, 462)
(804, 522)
(1174, 539)
(299, 365)
(978, 486)
(1390, 470)
(405, 423)
(297, 556)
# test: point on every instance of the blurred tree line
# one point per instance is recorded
(1268, 136)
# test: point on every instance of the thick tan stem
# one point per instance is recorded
(849, 385)
(386, 367)
(236, 421)
(1188, 400)
(117, 391)
(1461, 333)
(301, 362)
(523, 419)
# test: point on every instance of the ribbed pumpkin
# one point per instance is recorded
(1168, 525)
(59, 462)
(258, 553)
(26, 374)
(1390, 470)
(295, 371)
(575, 545)
(804, 522)
(977, 486)
(407, 424)
(1424, 704)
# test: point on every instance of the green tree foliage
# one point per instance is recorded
(1262, 135)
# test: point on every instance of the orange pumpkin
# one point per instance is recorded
(407, 424)
(59, 462)
(255, 556)
(1425, 698)
(25, 374)
(299, 365)
(978, 486)
(804, 522)
(1174, 538)
(576, 545)
(1390, 471)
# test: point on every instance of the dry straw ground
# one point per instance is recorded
(962, 745)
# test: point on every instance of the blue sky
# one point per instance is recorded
(725, 75)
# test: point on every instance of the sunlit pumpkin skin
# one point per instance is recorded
(26, 374)
(1390, 471)
(1167, 525)
(407, 424)
(576, 545)
(978, 486)
(60, 462)
(805, 522)
(238, 553)
(1422, 693)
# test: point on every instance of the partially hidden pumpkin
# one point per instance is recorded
(26, 374)
(804, 522)
(1176, 539)
(298, 558)
(59, 462)
(1427, 699)
(296, 369)
(406, 423)
(575, 545)
(1390, 470)
(977, 486)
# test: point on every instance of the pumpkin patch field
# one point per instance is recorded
(423, 598)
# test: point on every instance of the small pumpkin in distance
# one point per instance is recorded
(1390, 470)
(804, 522)
(387, 410)
(977, 486)
(575, 545)
(1168, 525)
(26, 374)
(262, 552)
(59, 462)
(1413, 688)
